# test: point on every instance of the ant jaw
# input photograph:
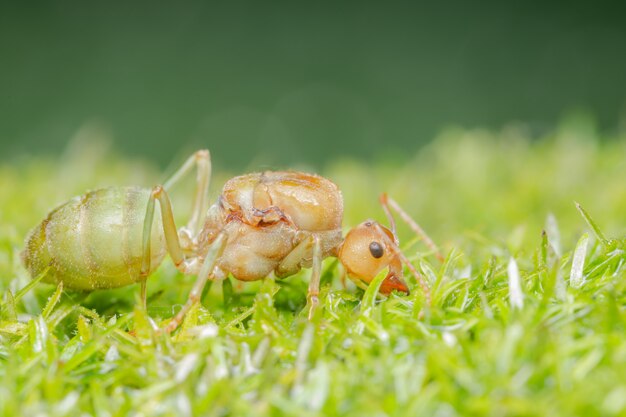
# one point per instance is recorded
(393, 282)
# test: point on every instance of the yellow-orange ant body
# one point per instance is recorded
(262, 223)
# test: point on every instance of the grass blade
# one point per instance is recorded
(52, 301)
(516, 297)
(578, 262)
(594, 227)
(30, 285)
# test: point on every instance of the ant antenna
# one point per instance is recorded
(392, 221)
(388, 202)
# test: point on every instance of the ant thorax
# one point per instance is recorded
(266, 216)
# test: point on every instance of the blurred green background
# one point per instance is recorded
(274, 84)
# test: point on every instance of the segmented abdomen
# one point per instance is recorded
(95, 240)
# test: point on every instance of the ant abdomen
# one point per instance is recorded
(95, 240)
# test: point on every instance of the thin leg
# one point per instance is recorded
(312, 297)
(169, 230)
(144, 295)
(201, 159)
(215, 250)
(390, 202)
(342, 276)
(420, 280)
(171, 237)
(293, 261)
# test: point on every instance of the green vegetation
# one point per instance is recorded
(522, 322)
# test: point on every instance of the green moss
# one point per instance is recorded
(485, 198)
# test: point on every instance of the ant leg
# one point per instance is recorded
(144, 294)
(387, 202)
(171, 237)
(202, 160)
(342, 277)
(169, 230)
(215, 250)
(312, 297)
(292, 263)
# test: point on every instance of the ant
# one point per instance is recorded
(273, 221)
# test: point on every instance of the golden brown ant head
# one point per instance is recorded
(368, 249)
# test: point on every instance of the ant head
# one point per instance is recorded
(368, 249)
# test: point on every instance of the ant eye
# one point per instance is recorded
(376, 249)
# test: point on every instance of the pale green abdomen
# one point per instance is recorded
(95, 240)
